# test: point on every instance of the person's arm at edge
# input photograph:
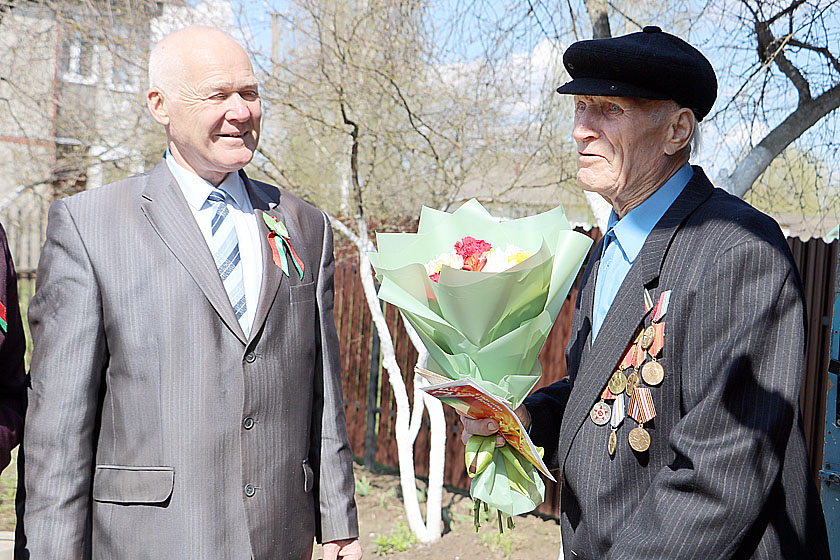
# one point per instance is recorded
(338, 525)
(12, 350)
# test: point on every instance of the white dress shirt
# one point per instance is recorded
(196, 190)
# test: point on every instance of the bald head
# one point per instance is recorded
(204, 93)
(174, 55)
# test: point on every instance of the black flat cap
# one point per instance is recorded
(649, 64)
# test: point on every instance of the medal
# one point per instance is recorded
(615, 421)
(632, 383)
(641, 410)
(639, 439)
(647, 337)
(653, 373)
(600, 413)
(617, 383)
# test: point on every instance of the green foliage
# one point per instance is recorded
(398, 540)
(8, 486)
(362, 486)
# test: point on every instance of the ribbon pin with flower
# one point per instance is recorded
(278, 240)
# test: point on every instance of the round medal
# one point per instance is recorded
(639, 439)
(632, 383)
(653, 373)
(647, 337)
(611, 443)
(600, 413)
(617, 383)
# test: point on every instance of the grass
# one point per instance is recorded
(398, 540)
(498, 541)
(8, 485)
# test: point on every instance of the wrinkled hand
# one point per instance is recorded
(347, 549)
(487, 426)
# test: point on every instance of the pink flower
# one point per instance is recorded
(435, 277)
(472, 247)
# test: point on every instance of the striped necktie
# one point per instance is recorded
(225, 247)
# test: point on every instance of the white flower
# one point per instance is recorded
(498, 260)
(452, 260)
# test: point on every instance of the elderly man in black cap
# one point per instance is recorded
(677, 432)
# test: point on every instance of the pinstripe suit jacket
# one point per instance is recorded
(153, 416)
(726, 475)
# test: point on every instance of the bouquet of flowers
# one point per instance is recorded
(482, 295)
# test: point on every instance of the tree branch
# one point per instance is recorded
(801, 119)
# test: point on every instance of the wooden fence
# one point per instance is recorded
(371, 411)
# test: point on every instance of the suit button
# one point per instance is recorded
(248, 423)
(250, 490)
(250, 357)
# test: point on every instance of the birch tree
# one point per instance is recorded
(378, 109)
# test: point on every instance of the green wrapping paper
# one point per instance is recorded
(489, 327)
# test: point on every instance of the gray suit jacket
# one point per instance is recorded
(726, 475)
(152, 418)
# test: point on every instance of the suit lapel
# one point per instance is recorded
(598, 359)
(166, 209)
(265, 201)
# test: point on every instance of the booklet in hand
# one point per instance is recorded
(467, 396)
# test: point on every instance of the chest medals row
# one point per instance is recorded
(628, 391)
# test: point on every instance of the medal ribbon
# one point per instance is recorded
(661, 306)
(607, 395)
(641, 407)
(648, 301)
(4, 325)
(618, 412)
(634, 356)
(278, 240)
(658, 339)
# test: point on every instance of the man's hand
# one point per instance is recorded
(347, 549)
(487, 426)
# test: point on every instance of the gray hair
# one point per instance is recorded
(693, 145)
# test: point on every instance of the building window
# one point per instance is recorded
(124, 57)
(78, 59)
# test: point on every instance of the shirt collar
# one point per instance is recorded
(633, 229)
(196, 190)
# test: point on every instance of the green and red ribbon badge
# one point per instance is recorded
(4, 324)
(278, 239)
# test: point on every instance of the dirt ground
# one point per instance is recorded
(382, 518)
(383, 527)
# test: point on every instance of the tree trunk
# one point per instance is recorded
(600, 19)
(759, 157)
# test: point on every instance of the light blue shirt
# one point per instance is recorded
(196, 190)
(624, 240)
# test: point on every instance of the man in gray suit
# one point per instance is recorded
(677, 432)
(186, 399)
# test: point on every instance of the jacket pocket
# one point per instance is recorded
(302, 292)
(308, 476)
(133, 485)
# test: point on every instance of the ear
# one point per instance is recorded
(679, 130)
(157, 106)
